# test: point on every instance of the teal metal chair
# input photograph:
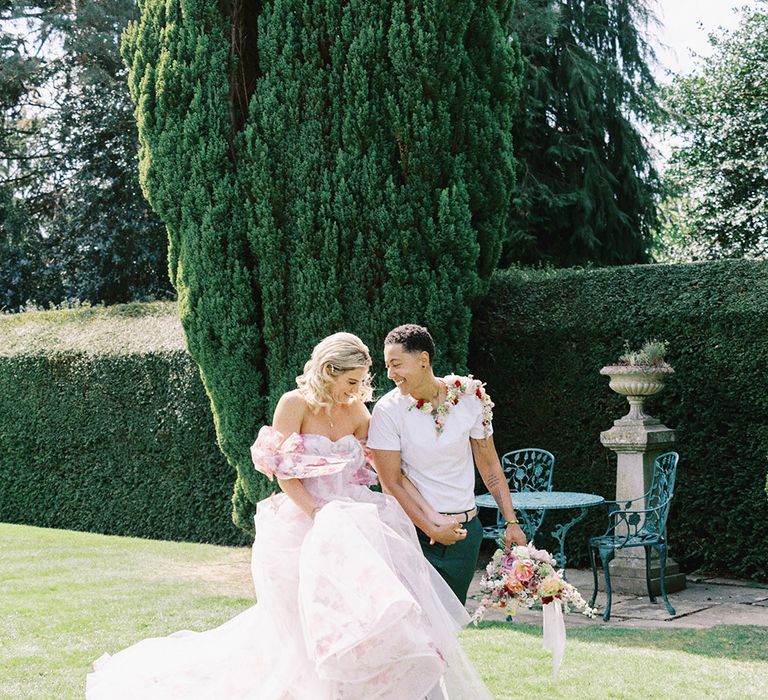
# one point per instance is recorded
(529, 469)
(638, 527)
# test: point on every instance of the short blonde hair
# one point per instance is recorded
(339, 353)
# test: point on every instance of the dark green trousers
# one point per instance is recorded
(455, 562)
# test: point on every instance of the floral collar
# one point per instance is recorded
(457, 387)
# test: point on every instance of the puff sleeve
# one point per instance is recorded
(276, 455)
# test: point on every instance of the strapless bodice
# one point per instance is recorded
(326, 466)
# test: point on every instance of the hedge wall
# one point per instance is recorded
(111, 438)
(541, 339)
(111, 442)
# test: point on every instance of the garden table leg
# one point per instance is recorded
(559, 534)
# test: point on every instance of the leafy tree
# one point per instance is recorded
(344, 165)
(718, 172)
(19, 257)
(19, 241)
(108, 244)
(587, 188)
(29, 85)
(69, 146)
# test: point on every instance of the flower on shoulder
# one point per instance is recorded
(456, 387)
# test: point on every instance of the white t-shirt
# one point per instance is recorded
(440, 465)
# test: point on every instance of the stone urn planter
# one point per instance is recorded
(637, 439)
(637, 382)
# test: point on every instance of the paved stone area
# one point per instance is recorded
(706, 602)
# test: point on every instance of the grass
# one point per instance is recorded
(615, 664)
(69, 596)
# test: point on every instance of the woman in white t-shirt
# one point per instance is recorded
(427, 435)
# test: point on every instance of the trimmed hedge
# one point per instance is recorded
(106, 438)
(120, 444)
(541, 339)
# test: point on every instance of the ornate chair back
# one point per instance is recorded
(660, 494)
(529, 469)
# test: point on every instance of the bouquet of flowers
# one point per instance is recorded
(526, 576)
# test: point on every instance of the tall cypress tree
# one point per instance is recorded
(587, 188)
(321, 166)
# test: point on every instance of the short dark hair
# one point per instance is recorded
(413, 338)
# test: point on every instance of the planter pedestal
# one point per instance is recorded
(637, 439)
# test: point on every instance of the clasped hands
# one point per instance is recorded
(446, 529)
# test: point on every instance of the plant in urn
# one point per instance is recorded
(639, 374)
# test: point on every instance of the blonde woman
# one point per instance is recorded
(348, 607)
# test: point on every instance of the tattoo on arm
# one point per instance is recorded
(492, 482)
(497, 494)
(497, 487)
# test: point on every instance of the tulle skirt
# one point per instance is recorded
(348, 608)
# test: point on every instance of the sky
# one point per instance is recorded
(685, 27)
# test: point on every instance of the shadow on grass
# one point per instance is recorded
(740, 643)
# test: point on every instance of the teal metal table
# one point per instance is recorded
(525, 501)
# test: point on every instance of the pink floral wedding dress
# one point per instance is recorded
(348, 607)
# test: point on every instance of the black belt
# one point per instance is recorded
(465, 513)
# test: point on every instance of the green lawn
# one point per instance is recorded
(69, 596)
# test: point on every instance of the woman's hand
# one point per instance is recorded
(514, 535)
(446, 530)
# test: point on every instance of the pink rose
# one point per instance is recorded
(522, 570)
